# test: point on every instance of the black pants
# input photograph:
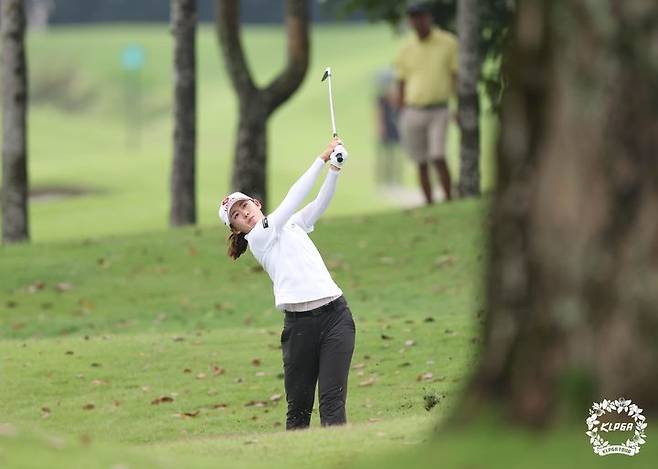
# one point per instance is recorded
(317, 345)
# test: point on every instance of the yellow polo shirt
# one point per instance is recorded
(426, 67)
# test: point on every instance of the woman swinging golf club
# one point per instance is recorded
(318, 334)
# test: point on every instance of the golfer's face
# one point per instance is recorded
(244, 215)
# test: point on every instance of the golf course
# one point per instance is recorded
(128, 344)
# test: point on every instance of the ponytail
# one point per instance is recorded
(237, 245)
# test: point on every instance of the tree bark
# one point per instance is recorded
(257, 104)
(183, 173)
(468, 28)
(15, 222)
(573, 275)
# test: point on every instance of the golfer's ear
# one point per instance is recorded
(257, 202)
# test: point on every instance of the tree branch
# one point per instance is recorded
(228, 31)
(285, 84)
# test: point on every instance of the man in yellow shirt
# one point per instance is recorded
(426, 69)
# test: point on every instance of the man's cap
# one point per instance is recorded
(227, 203)
(417, 8)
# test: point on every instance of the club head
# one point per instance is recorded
(327, 73)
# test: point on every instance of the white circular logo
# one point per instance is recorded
(595, 428)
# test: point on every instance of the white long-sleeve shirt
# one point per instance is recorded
(281, 245)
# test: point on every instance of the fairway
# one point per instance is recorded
(96, 333)
(83, 133)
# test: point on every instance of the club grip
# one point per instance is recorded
(338, 156)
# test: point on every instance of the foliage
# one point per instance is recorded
(495, 18)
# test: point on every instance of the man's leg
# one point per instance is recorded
(424, 178)
(444, 177)
(414, 133)
(336, 352)
(438, 128)
(300, 363)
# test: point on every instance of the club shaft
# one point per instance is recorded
(331, 107)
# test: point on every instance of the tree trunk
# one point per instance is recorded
(183, 172)
(573, 275)
(14, 128)
(257, 104)
(468, 27)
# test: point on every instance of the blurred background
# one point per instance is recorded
(100, 130)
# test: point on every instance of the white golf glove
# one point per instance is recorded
(338, 156)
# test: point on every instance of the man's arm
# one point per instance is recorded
(400, 100)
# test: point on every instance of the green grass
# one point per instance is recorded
(77, 127)
(144, 316)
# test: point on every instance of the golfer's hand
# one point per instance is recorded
(332, 144)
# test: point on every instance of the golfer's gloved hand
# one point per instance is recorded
(338, 156)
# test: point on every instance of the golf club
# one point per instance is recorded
(339, 155)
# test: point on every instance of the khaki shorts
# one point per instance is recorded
(423, 133)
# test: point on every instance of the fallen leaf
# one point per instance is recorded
(201, 376)
(409, 343)
(358, 366)
(428, 319)
(424, 376)
(88, 407)
(444, 261)
(405, 364)
(219, 406)
(386, 337)
(275, 397)
(189, 414)
(368, 382)
(256, 362)
(64, 286)
(35, 287)
(216, 370)
(162, 399)
(253, 403)
(45, 412)
(187, 370)
(260, 373)
(212, 392)
(69, 352)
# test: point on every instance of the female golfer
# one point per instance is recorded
(318, 334)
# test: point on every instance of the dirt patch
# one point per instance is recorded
(55, 193)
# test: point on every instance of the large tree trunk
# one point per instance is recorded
(468, 28)
(573, 278)
(257, 104)
(14, 124)
(183, 172)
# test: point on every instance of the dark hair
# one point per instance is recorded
(237, 245)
